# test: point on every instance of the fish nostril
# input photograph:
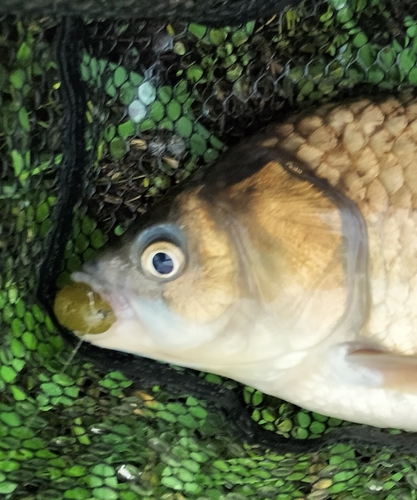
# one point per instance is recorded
(87, 274)
(92, 267)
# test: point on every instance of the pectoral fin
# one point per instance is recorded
(370, 366)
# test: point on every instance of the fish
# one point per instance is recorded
(289, 266)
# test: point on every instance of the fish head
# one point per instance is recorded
(172, 285)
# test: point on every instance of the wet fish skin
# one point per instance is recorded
(300, 266)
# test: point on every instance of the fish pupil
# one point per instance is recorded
(162, 263)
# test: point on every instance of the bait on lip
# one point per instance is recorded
(80, 309)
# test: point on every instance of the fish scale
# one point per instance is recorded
(385, 190)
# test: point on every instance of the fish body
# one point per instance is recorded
(291, 266)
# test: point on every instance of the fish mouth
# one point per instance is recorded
(118, 302)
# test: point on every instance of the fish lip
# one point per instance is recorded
(117, 300)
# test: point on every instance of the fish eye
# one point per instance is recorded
(160, 251)
(163, 259)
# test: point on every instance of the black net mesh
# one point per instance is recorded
(101, 116)
(212, 11)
